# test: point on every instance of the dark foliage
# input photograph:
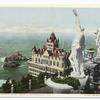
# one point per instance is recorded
(23, 85)
(69, 80)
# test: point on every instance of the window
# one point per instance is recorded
(54, 63)
(39, 60)
(50, 62)
(57, 63)
(35, 60)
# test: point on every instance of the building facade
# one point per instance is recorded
(50, 58)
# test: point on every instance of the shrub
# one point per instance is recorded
(6, 87)
(69, 80)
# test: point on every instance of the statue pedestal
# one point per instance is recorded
(58, 87)
(82, 78)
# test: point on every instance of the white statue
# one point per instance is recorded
(98, 43)
(78, 45)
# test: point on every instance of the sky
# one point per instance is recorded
(47, 19)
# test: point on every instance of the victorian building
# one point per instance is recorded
(50, 58)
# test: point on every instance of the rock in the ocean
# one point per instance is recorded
(14, 60)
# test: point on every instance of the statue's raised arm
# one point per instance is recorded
(75, 12)
(77, 21)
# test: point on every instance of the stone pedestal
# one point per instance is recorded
(57, 87)
(82, 79)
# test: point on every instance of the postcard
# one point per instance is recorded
(50, 50)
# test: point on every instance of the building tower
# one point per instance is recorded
(52, 42)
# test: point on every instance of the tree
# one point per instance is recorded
(73, 82)
(96, 75)
(41, 77)
(6, 86)
(67, 72)
(87, 88)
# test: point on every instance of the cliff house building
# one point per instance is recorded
(50, 58)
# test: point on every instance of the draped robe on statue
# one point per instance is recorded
(78, 45)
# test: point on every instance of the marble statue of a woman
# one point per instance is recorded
(98, 44)
(78, 46)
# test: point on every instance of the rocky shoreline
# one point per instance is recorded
(14, 60)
